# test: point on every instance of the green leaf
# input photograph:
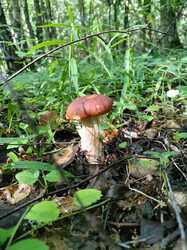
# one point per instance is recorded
(46, 43)
(180, 135)
(52, 25)
(34, 165)
(102, 63)
(43, 212)
(29, 244)
(13, 140)
(74, 73)
(123, 145)
(164, 156)
(153, 108)
(183, 90)
(5, 234)
(13, 157)
(53, 176)
(27, 176)
(86, 197)
(145, 117)
(130, 106)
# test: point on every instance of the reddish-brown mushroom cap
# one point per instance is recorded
(88, 106)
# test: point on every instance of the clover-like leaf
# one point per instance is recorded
(44, 212)
(27, 176)
(86, 197)
(29, 244)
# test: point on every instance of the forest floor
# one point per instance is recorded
(143, 185)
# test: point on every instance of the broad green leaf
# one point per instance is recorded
(53, 176)
(27, 176)
(29, 244)
(86, 197)
(46, 43)
(5, 234)
(44, 212)
(13, 140)
(34, 165)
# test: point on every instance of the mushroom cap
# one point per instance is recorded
(88, 106)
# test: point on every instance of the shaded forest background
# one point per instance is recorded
(25, 23)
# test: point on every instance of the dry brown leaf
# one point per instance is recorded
(65, 204)
(143, 167)
(109, 135)
(150, 133)
(47, 116)
(15, 193)
(65, 155)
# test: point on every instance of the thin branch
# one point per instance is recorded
(177, 213)
(74, 42)
(63, 190)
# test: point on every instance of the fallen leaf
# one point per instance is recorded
(150, 133)
(171, 124)
(47, 116)
(152, 231)
(129, 134)
(65, 156)
(109, 135)
(66, 204)
(141, 167)
(15, 193)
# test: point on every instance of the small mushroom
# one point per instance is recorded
(88, 110)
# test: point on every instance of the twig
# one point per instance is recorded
(170, 238)
(62, 190)
(175, 164)
(74, 42)
(128, 243)
(161, 203)
(177, 213)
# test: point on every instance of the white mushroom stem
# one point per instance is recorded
(90, 134)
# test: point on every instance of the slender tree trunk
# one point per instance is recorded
(168, 23)
(16, 22)
(82, 12)
(38, 20)
(7, 44)
(116, 5)
(145, 35)
(52, 30)
(27, 20)
(126, 20)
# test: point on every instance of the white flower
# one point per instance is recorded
(172, 93)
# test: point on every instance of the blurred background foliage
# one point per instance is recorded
(135, 68)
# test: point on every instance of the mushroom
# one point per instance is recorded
(87, 110)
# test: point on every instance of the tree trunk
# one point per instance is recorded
(27, 20)
(52, 30)
(116, 5)
(7, 46)
(38, 20)
(168, 23)
(16, 22)
(125, 21)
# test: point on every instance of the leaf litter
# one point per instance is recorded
(137, 212)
